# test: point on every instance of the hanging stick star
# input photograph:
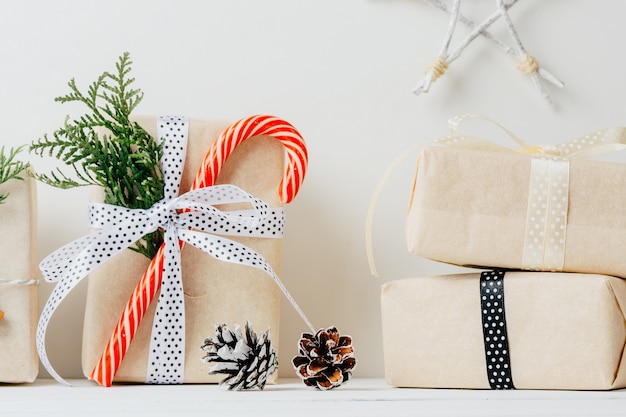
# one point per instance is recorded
(439, 66)
(543, 73)
(526, 63)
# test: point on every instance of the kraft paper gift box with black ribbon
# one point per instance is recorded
(18, 281)
(562, 331)
(234, 289)
(475, 203)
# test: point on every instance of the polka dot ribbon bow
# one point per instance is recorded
(191, 217)
(546, 220)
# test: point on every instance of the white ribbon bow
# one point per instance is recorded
(121, 227)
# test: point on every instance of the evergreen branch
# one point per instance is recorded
(125, 162)
(10, 168)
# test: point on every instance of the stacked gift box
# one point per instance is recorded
(547, 229)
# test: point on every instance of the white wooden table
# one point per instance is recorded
(359, 397)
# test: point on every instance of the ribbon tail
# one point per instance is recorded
(239, 254)
(372, 207)
(70, 265)
(74, 274)
(54, 266)
(42, 326)
(166, 359)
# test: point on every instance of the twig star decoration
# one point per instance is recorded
(526, 63)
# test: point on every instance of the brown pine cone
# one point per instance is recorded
(325, 360)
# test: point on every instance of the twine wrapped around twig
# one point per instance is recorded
(527, 65)
(437, 68)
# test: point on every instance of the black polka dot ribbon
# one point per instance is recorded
(494, 330)
(192, 218)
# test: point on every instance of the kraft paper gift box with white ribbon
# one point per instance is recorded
(18, 281)
(214, 291)
(565, 331)
(505, 209)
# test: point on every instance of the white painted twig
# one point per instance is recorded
(444, 59)
(527, 63)
(472, 24)
(439, 66)
(478, 30)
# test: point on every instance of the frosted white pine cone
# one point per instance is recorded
(247, 359)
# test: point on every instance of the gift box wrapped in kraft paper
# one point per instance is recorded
(562, 331)
(215, 291)
(474, 203)
(18, 281)
(148, 320)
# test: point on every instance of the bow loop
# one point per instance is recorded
(592, 145)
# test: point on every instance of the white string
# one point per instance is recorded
(19, 281)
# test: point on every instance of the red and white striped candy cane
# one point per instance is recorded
(256, 126)
(145, 291)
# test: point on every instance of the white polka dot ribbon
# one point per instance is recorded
(546, 219)
(192, 218)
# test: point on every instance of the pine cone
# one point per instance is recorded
(248, 360)
(325, 360)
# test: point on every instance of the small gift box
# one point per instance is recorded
(170, 183)
(499, 330)
(18, 281)
(227, 216)
(214, 291)
(475, 203)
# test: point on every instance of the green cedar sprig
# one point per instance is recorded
(126, 162)
(10, 167)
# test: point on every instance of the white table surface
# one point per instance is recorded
(289, 397)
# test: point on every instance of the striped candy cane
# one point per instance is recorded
(255, 126)
(145, 291)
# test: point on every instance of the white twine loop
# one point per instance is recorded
(192, 218)
(19, 282)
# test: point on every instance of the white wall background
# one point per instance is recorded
(342, 72)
